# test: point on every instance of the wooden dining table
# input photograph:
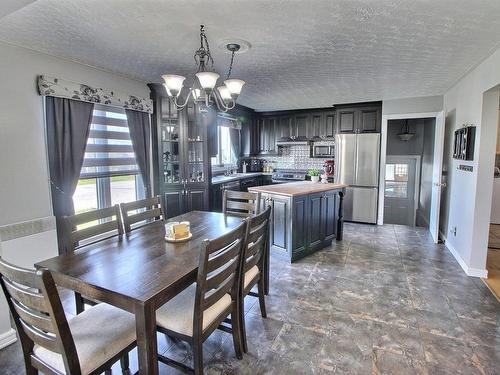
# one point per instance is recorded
(139, 272)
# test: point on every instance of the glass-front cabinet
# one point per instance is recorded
(181, 163)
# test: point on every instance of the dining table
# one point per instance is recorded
(139, 272)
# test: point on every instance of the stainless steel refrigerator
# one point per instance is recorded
(357, 162)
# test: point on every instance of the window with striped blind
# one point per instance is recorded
(110, 174)
(109, 149)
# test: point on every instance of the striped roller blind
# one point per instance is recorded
(109, 149)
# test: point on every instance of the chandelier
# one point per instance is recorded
(204, 89)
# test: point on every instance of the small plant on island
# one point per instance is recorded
(314, 174)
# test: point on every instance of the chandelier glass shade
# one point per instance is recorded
(224, 97)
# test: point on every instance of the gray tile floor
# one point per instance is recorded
(386, 300)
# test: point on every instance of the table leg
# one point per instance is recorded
(145, 321)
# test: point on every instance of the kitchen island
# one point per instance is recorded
(306, 216)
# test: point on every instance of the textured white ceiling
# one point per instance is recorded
(309, 53)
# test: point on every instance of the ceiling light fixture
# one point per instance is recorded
(405, 135)
(203, 89)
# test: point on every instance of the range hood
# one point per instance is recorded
(292, 141)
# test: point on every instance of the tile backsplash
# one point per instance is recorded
(297, 157)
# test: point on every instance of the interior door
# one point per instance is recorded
(437, 183)
(399, 193)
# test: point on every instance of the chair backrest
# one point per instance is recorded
(240, 203)
(256, 241)
(218, 273)
(144, 210)
(38, 314)
(89, 227)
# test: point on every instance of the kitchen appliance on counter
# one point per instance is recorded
(253, 164)
(323, 151)
(357, 157)
(328, 171)
(281, 176)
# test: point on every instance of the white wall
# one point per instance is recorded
(422, 104)
(470, 196)
(24, 188)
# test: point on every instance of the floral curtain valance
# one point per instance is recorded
(50, 86)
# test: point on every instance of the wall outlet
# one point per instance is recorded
(454, 231)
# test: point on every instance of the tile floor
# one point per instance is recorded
(386, 300)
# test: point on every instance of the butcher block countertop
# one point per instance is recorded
(292, 189)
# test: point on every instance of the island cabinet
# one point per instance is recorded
(305, 218)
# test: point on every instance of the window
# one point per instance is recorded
(110, 174)
(396, 180)
(226, 155)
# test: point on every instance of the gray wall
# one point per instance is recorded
(424, 204)
(397, 147)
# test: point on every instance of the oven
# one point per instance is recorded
(322, 151)
(282, 176)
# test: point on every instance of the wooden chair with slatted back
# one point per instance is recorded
(240, 203)
(139, 213)
(197, 311)
(252, 265)
(89, 343)
(92, 226)
(87, 228)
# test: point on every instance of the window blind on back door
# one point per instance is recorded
(109, 150)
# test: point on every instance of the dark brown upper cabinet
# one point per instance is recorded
(283, 131)
(315, 126)
(359, 119)
(300, 125)
(267, 135)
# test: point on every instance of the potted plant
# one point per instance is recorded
(314, 174)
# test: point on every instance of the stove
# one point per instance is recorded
(281, 176)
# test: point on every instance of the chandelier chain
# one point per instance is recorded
(230, 65)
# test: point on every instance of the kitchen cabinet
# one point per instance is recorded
(267, 136)
(359, 119)
(328, 125)
(302, 224)
(300, 126)
(284, 128)
(181, 157)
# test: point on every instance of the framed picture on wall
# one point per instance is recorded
(463, 146)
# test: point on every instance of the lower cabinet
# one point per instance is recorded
(182, 200)
(302, 224)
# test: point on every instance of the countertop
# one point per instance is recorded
(237, 176)
(291, 189)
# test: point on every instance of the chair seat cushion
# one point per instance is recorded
(250, 274)
(177, 314)
(99, 332)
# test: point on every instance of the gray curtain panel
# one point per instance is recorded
(140, 130)
(234, 134)
(68, 126)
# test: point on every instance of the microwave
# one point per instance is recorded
(322, 151)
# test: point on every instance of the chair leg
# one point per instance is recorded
(124, 363)
(242, 325)
(262, 302)
(80, 306)
(198, 357)
(236, 329)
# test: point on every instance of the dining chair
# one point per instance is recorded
(252, 266)
(240, 203)
(89, 343)
(204, 306)
(87, 228)
(92, 226)
(139, 213)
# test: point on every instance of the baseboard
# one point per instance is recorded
(7, 338)
(469, 271)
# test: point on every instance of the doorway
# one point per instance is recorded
(401, 193)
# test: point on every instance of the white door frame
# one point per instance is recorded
(416, 196)
(439, 129)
